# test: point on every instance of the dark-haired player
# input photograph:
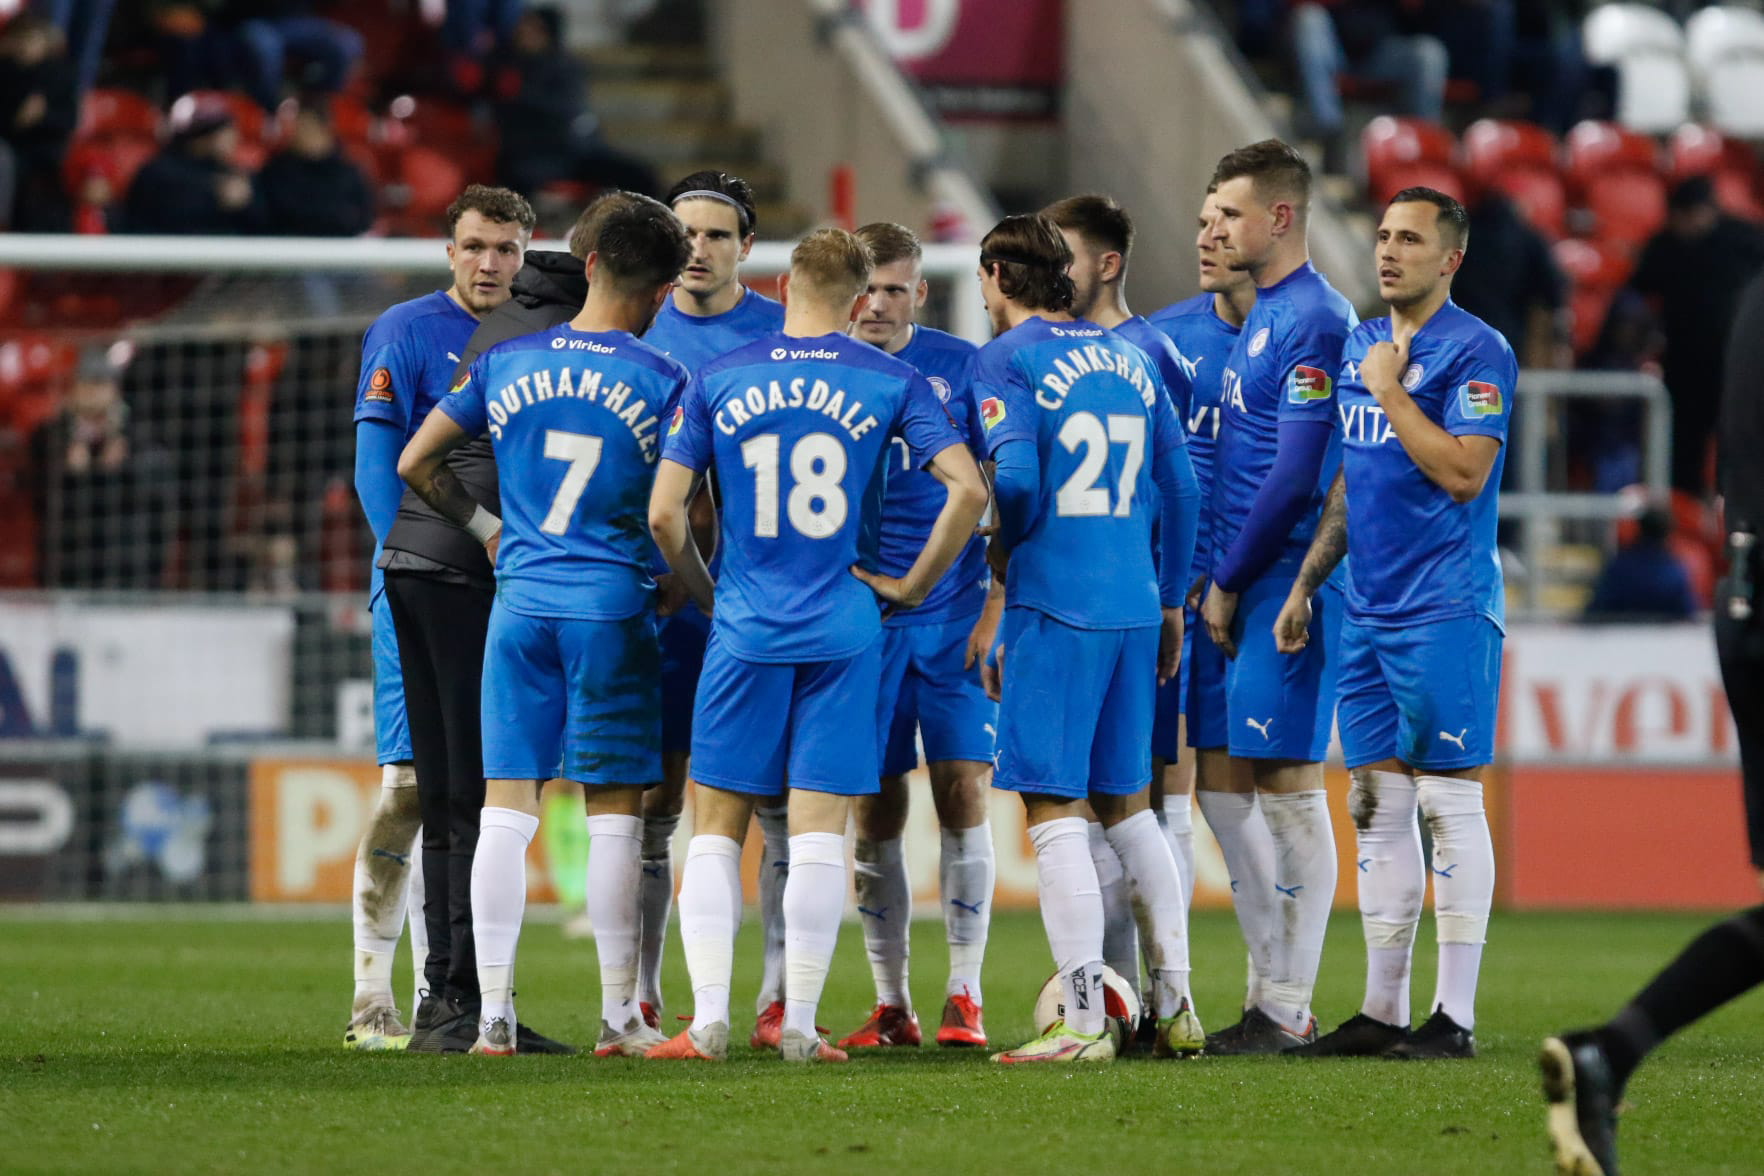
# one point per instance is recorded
(407, 361)
(798, 422)
(1278, 450)
(709, 313)
(930, 688)
(1425, 398)
(1100, 235)
(572, 671)
(1081, 428)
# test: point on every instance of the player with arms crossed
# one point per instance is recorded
(800, 423)
(407, 360)
(1080, 429)
(710, 313)
(929, 685)
(1191, 710)
(1425, 398)
(1100, 234)
(572, 669)
(1277, 453)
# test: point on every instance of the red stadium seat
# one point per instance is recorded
(1440, 176)
(1539, 195)
(1595, 148)
(1697, 150)
(1389, 142)
(1627, 206)
(1596, 271)
(113, 159)
(1495, 145)
(116, 112)
(432, 180)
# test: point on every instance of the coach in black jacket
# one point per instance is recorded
(442, 697)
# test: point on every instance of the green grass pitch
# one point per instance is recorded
(162, 1043)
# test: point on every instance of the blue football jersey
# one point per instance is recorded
(1092, 405)
(407, 359)
(1282, 367)
(1203, 341)
(799, 431)
(1414, 554)
(914, 498)
(575, 420)
(695, 340)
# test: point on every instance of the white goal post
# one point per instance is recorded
(944, 263)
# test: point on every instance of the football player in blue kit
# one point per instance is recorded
(1278, 449)
(572, 669)
(407, 360)
(1081, 429)
(930, 689)
(800, 423)
(1204, 329)
(710, 313)
(1100, 234)
(1426, 395)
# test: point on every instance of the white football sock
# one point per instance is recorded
(774, 826)
(615, 842)
(383, 862)
(1304, 890)
(1120, 934)
(416, 895)
(1072, 913)
(1248, 849)
(965, 877)
(885, 904)
(655, 899)
(1155, 897)
(814, 899)
(1392, 882)
(499, 901)
(1463, 888)
(1178, 822)
(710, 909)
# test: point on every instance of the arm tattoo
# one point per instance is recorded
(1329, 544)
(442, 490)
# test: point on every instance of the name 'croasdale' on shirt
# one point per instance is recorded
(799, 430)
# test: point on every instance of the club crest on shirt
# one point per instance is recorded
(992, 411)
(1480, 398)
(679, 419)
(1412, 376)
(459, 384)
(1258, 342)
(940, 386)
(379, 386)
(1308, 384)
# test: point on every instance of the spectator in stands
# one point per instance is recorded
(1692, 272)
(84, 23)
(192, 186)
(310, 187)
(103, 491)
(247, 43)
(548, 132)
(38, 111)
(1511, 282)
(1376, 41)
(1607, 435)
(473, 33)
(1643, 581)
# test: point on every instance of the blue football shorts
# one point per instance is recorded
(563, 696)
(1076, 714)
(1424, 693)
(391, 727)
(1280, 705)
(762, 727)
(925, 691)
